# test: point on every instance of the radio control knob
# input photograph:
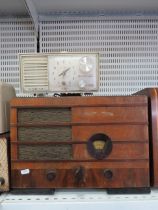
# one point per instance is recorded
(79, 175)
(82, 84)
(51, 175)
(108, 174)
(2, 181)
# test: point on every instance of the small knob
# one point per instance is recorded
(82, 84)
(108, 174)
(79, 174)
(2, 181)
(51, 175)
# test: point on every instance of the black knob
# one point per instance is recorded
(108, 174)
(2, 181)
(79, 174)
(51, 175)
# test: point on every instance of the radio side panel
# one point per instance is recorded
(152, 94)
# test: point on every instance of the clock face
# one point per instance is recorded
(73, 72)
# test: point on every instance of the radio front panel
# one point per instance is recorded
(85, 142)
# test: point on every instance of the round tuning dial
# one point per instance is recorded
(99, 146)
(86, 64)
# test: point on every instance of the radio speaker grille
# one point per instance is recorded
(44, 115)
(39, 129)
(46, 152)
(45, 134)
(4, 164)
(34, 73)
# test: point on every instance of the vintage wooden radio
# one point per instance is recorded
(152, 94)
(80, 142)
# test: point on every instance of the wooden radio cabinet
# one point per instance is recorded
(80, 142)
(152, 94)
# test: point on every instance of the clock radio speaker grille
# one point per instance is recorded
(34, 74)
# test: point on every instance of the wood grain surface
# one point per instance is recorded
(152, 94)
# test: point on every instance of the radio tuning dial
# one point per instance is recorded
(99, 146)
(86, 64)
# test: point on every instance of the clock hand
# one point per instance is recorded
(64, 72)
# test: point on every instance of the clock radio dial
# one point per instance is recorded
(75, 72)
(86, 64)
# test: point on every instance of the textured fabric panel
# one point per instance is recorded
(46, 152)
(44, 134)
(44, 115)
(4, 164)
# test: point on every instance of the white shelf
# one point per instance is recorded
(47, 7)
(80, 199)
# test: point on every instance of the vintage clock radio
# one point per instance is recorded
(80, 142)
(59, 72)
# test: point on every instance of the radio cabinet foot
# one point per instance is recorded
(141, 190)
(32, 191)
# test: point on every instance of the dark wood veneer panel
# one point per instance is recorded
(119, 151)
(109, 114)
(92, 178)
(152, 94)
(135, 133)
